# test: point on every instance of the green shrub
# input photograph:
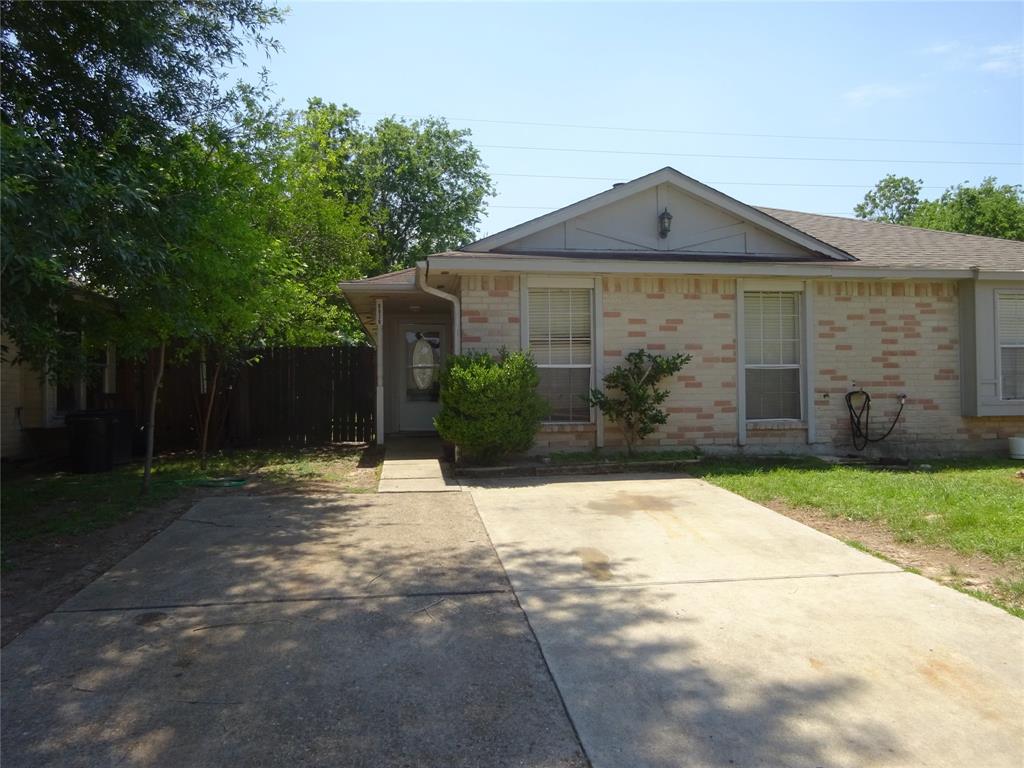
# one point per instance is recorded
(636, 405)
(489, 406)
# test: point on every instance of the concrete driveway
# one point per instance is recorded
(357, 631)
(686, 626)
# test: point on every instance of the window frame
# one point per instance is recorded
(799, 295)
(999, 294)
(80, 387)
(568, 283)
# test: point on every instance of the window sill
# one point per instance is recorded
(770, 424)
(997, 408)
(568, 426)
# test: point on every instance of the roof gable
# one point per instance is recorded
(625, 217)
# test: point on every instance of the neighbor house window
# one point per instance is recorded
(560, 338)
(1010, 314)
(772, 354)
(83, 391)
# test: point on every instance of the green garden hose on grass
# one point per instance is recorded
(215, 482)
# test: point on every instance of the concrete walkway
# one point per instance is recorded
(414, 465)
(686, 626)
(356, 630)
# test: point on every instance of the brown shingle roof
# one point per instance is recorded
(875, 244)
(403, 277)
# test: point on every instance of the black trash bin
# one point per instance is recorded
(91, 446)
(100, 438)
(121, 425)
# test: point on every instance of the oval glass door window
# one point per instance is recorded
(423, 364)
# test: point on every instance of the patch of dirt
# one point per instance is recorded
(331, 477)
(946, 566)
(43, 574)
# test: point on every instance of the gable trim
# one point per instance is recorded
(670, 176)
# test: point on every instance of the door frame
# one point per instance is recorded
(394, 363)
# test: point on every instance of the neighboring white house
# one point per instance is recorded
(783, 313)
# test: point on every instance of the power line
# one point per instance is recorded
(557, 207)
(712, 183)
(633, 129)
(743, 157)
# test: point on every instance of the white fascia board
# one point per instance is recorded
(556, 265)
(664, 176)
(1012, 276)
(568, 266)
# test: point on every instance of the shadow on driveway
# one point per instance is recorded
(291, 632)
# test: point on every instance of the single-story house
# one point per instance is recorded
(33, 406)
(783, 312)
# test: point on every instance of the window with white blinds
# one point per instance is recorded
(561, 340)
(772, 358)
(1010, 319)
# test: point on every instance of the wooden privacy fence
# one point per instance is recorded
(292, 396)
(300, 396)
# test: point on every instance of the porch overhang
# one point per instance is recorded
(400, 292)
(407, 295)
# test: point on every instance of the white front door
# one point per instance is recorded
(423, 350)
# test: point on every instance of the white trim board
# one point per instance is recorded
(555, 265)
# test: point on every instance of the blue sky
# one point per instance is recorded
(683, 76)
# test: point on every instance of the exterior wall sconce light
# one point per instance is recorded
(664, 224)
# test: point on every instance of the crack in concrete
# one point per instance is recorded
(208, 522)
(723, 580)
(241, 624)
(274, 600)
(463, 593)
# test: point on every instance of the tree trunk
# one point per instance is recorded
(205, 434)
(151, 422)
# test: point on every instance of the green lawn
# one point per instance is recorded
(39, 505)
(973, 506)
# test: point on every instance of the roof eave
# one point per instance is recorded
(464, 262)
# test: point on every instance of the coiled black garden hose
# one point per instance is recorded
(860, 418)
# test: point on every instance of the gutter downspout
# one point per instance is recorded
(422, 271)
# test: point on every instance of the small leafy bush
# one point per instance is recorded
(489, 406)
(636, 403)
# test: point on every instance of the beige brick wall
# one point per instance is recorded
(552, 438)
(21, 404)
(10, 401)
(693, 315)
(490, 312)
(892, 338)
(889, 337)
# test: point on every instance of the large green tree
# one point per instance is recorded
(357, 201)
(94, 98)
(424, 185)
(317, 217)
(894, 200)
(990, 208)
(228, 284)
(415, 187)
